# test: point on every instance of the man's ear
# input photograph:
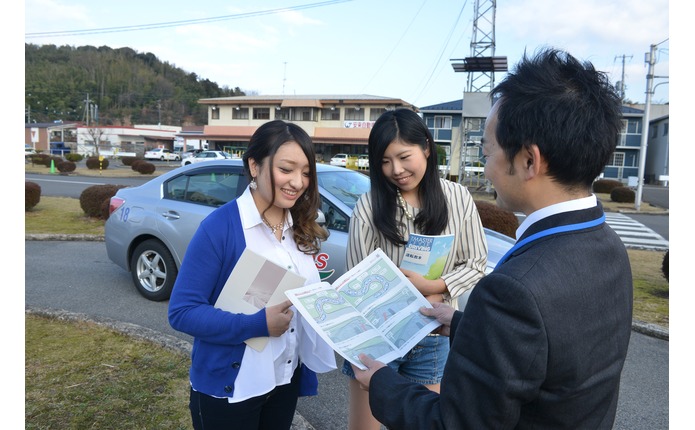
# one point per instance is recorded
(533, 163)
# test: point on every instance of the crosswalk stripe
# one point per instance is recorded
(633, 233)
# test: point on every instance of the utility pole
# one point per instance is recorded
(650, 59)
(86, 109)
(622, 77)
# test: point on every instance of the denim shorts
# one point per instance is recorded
(424, 364)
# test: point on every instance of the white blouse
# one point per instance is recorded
(261, 371)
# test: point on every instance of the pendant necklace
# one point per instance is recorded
(276, 227)
(401, 203)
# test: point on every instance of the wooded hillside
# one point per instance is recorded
(123, 86)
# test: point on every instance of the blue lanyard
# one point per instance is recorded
(548, 232)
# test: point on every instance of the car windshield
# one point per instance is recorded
(346, 185)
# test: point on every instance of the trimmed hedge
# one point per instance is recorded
(605, 186)
(92, 199)
(623, 195)
(144, 167)
(497, 219)
(74, 157)
(52, 158)
(66, 166)
(93, 163)
(128, 161)
(32, 195)
(39, 159)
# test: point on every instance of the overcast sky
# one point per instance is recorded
(391, 48)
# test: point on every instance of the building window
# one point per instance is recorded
(442, 122)
(240, 113)
(215, 114)
(473, 124)
(283, 113)
(617, 160)
(354, 114)
(630, 126)
(330, 114)
(261, 113)
(665, 129)
(303, 114)
(375, 113)
(655, 128)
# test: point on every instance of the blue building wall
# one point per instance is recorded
(623, 164)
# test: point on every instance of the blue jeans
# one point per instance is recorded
(424, 364)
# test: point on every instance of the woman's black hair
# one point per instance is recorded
(408, 127)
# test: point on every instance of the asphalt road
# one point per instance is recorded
(78, 277)
(89, 283)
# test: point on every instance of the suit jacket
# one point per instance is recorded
(541, 343)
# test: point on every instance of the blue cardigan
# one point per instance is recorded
(218, 346)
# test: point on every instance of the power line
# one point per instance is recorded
(437, 63)
(394, 47)
(180, 23)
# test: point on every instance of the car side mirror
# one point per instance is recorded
(320, 217)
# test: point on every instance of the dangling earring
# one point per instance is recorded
(253, 185)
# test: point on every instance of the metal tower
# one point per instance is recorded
(481, 67)
(482, 63)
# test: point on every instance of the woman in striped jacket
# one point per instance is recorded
(408, 196)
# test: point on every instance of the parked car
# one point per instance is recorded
(363, 161)
(191, 153)
(339, 160)
(161, 154)
(28, 150)
(150, 226)
(206, 156)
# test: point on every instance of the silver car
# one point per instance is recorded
(151, 225)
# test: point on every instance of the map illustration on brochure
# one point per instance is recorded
(371, 309)
(427, 255)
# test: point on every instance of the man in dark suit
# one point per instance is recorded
(542, 341)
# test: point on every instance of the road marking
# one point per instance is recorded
(634, 234)
(64, 181)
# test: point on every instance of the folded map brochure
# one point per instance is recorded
(427, 255)
(371, 309)
(256, 282)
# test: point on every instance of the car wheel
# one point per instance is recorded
(153, 270)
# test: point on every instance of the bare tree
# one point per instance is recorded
(95, 136)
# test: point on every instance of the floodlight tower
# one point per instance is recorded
(481, 67)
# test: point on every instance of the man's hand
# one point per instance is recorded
(278, 318)
(365, 376)
(443, 313)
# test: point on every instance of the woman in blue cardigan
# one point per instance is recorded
(234, 385)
